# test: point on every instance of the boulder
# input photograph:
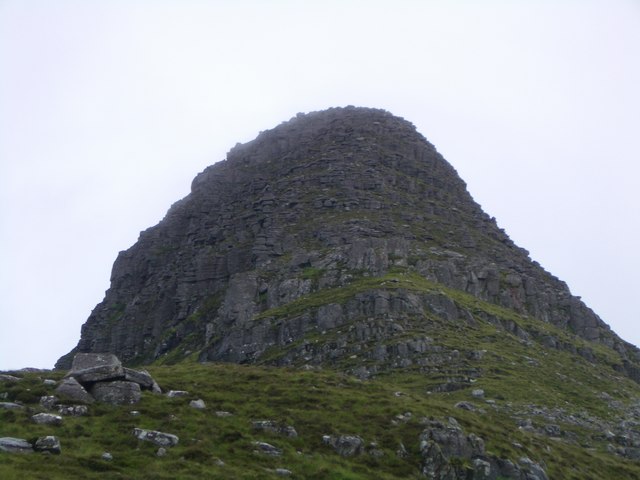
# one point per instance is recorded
(267, 449)
(47, 419)
(10, 406)
(48, 444)
(119, 392)
(198, 404)
(73, 410)
(8, 378)
(15, 445)
(345, 445)
(48, 401)
(159, 438)
(71, 389)
(177, 393)
(274, 427)
(96, 367)
(141, 377)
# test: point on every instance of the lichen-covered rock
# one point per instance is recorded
(15, 445)
(266, 449)
(117, 392)
(345, 445)
(70, 389)
(161, 439)
(274, 427)
(96, 367)
(47, 419)
(48, 444)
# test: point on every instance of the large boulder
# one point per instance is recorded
(142, 378)
(72, 390)
(116, 393)
(96, 367)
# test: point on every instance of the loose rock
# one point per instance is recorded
(47, 419)
(15, 445)
(159, 438)
(48, 444)
(117, 393)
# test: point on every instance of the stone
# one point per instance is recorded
(477, 393)
(95, 367)
(8, 378)
(161, 439)
(283, 472)
(222, 414)
(198, 404)
(141, 377)
(15, 445)
(345, 445)
(119, 392)
(161, 452)
(107, 456)
(266, 449)
(73, 410)
(48, 401)
(71, 389)
(47, 419)
(274, 427)
(49, 382)
(48, 444)
(177, 393)
(466, 406)
(10, 406)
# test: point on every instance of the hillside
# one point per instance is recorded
(333, 278)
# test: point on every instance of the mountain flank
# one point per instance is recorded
(332, 235)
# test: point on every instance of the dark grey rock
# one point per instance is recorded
(118, 392)
(15, 445)
(141, 377)
(48, 444)
(267, 449)
(159, 438)
(70, 389)
(345, 445)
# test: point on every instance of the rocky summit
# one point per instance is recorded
(339, 233)
(330, 302)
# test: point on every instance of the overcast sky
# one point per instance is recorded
(108, 109)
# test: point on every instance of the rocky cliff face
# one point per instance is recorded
(339, 237)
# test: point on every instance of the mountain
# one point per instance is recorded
(330, 302)
(338, 233)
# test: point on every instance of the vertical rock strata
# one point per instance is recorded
(282, 242)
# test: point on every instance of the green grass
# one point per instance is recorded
(316, 403)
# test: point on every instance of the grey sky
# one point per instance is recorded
(109, 109)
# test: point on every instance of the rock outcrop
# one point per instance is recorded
(101, 377)
(345, 226)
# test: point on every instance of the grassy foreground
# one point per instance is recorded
(315, 403)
